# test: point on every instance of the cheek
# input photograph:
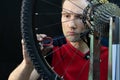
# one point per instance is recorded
(64, 27)
(81, 26)
(63, 24)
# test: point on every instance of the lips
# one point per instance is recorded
(71, 33)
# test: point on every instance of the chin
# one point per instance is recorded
(73, 39)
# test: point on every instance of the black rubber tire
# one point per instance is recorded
(33, 50)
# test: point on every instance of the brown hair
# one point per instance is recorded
(63, 1)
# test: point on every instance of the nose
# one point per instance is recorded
(72, 24)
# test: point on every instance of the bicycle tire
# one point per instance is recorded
(31, 44)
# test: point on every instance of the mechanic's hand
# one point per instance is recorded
(45, 42)
(44, 46)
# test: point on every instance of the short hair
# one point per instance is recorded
(63, 1)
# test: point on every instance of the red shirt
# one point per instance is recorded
(72, 65)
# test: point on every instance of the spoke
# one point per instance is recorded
(46, 1)
(51, 3)
(81, 36)
(70, 62)
(55, 50)
(51, 25)
(81, 70)
(49, 13)
(75, 4)
(62, 56)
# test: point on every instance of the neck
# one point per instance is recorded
(81, 45)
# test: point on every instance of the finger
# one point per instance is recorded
(47, 50)
(41, 45)
(23, 47)
(40, 37)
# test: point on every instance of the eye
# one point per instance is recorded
(66, 15)
(79, 16)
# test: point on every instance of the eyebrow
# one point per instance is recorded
(65, 12)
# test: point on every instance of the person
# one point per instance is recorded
(71, 56)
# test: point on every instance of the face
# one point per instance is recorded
(72, 24)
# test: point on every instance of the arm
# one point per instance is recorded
(26, 71)
(22, 72)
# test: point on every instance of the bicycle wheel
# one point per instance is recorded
(29, 37)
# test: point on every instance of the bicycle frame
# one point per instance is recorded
(114, 52)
